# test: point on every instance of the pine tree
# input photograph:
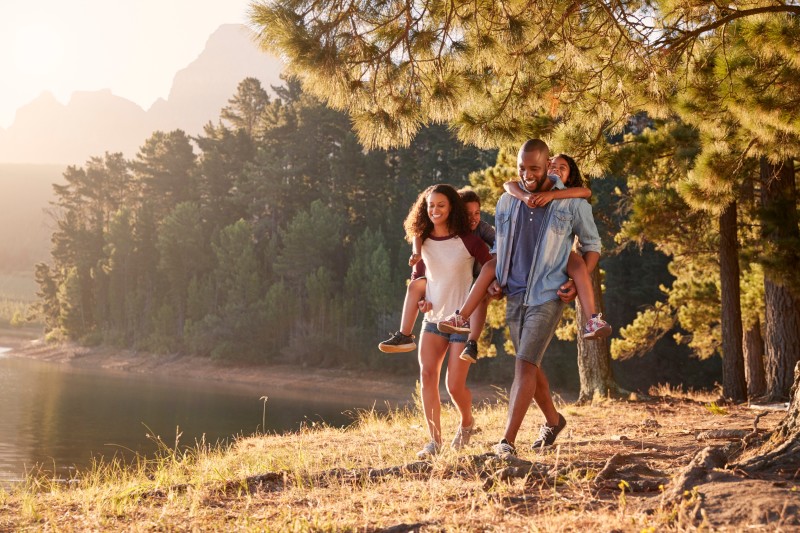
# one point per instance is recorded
(245, 110)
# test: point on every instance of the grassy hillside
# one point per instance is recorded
(612, 470)
(25, 228)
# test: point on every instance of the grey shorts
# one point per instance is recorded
(532, 328)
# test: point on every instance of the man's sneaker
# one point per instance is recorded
(596, 328)
(504, 448)
(428, 451)
(470, 352)
(455, 323)
(397, 343)
(548, 434)
(462, 436)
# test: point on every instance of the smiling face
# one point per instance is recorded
(532, 168)
(473, 214)
(439, 209)
(560, 167)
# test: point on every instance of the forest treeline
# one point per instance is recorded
(272, 236)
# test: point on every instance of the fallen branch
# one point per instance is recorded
(729, 434)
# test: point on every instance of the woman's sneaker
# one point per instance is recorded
(397, 343)
(462, 436)
(428, 451)
(596, 328)
(454, 323)
(470, 352)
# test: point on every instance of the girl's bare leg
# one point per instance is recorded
(577, 270)
(414, 293)
(432, 349)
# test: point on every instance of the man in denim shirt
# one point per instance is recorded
(532, 248)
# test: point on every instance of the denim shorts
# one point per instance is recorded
(532, 328)
(430, 327)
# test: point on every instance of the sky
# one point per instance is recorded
(133, 47)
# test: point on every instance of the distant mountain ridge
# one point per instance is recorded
(94, 122)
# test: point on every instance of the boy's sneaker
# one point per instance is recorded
(504, 448)
(462, 436)
(470, 352)
(428, 451)
(455, 323)
(397, 343)
(596, 328)
(548, 434)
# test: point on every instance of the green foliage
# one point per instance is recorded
(266, 245)
(641, 335)
(715, 409)
(13, 312)
(496, 73)
(368, 276)
(312, 238)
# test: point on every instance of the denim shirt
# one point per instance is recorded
(564, 219)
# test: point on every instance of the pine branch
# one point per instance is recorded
(687, 37)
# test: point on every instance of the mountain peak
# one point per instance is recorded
(44, 131)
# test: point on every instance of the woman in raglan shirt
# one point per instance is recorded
(449, 250)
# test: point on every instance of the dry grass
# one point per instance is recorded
(318, 479)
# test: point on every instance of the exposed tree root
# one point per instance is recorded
(704, 462)
(620, 474)
(780, 454)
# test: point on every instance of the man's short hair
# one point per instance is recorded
(468, 195)
(534, 145)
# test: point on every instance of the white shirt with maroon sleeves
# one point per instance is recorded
(447, 266)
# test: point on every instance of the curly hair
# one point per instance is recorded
(575, 178)
(418, 223)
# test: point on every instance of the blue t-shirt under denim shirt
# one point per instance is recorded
(526, 235)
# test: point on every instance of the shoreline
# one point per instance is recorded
(363, 386)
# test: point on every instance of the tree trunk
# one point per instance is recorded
(594, 356)
(782, 322)
(780, 454)
(734, 386)
(754, 358)
(782, 342)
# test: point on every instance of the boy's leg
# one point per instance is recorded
(478, 319)
(476, 323)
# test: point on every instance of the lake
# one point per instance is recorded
(61, 417)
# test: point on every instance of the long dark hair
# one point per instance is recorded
(575, 177)
(418, 224)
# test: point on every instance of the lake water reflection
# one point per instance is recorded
(59, 417)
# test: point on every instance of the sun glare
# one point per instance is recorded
(37, 49)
